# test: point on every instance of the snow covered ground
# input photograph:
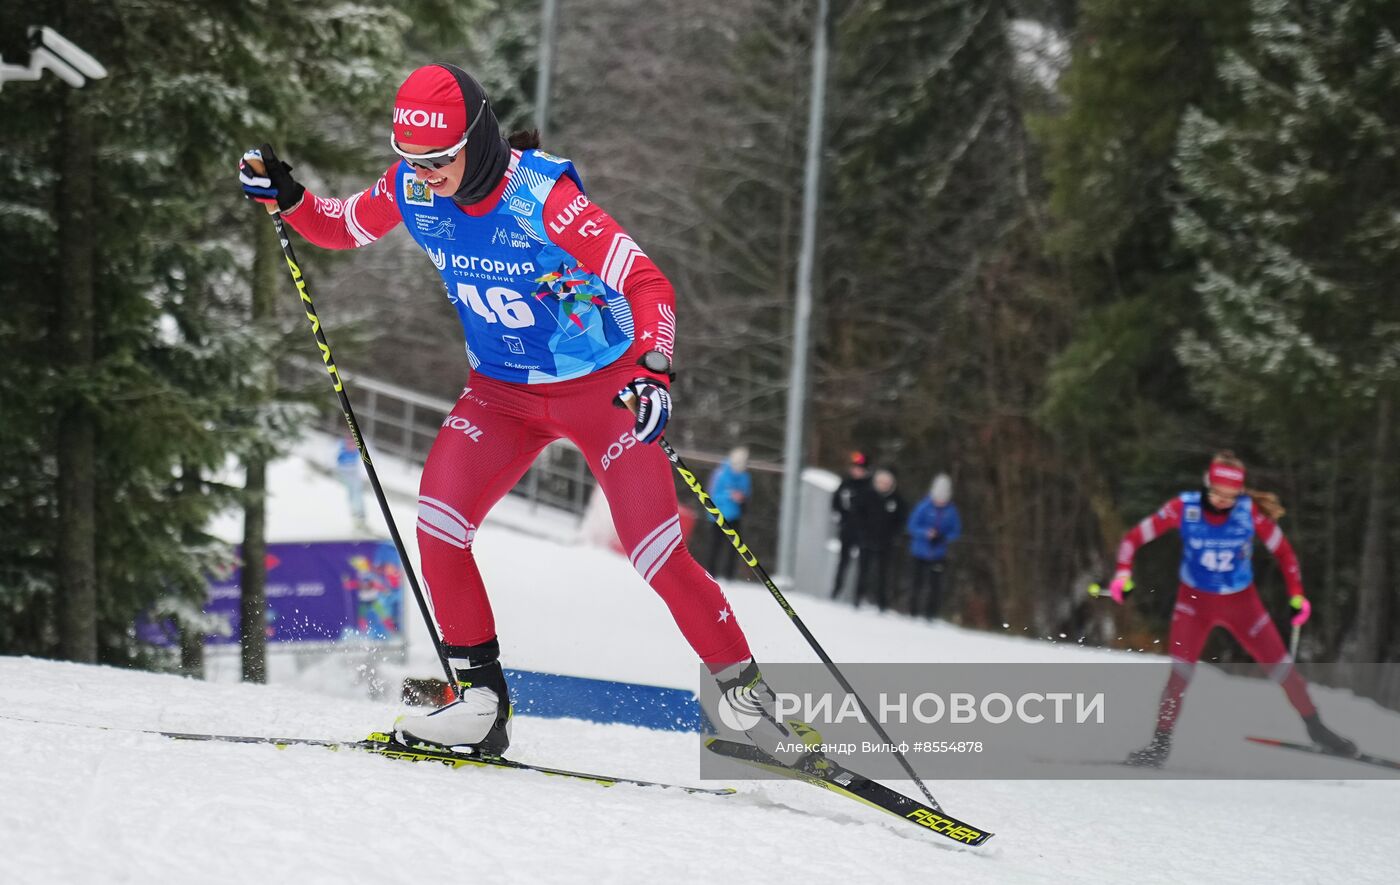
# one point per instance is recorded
(85, 805)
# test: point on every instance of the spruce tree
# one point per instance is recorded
(1289, 195)
(168, 392)
(1117, 389)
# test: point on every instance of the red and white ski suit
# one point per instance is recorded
(1241, 613)
(497, 428)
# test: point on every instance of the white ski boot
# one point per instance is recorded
(752, 703)
(478, 722)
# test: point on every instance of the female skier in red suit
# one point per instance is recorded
(1218, 527)
(563, 314)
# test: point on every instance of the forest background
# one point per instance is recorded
(1067, 250)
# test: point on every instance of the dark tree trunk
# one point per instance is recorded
(1335, 608)
(252, 635)
(1372, 626)
(253, 611)
(77, 433)
(191, 651)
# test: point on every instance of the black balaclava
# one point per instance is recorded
(488, 153)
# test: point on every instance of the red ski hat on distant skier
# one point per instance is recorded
(430, 109)
(1225, 476)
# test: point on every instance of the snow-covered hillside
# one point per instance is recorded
(87, 805)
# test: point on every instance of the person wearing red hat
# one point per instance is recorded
(564, 317)
(1219, 526)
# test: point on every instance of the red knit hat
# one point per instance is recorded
(430, 109)
(1225, 476)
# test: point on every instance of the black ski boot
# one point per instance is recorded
(1328, 739)
(1154, 754)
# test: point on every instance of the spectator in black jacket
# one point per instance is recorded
(843, 502)
(880, 515)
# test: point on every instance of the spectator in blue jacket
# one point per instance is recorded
(351, 475)
(933, 525)
(730, 487)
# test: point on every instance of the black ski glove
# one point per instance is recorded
(274, 184)
(650, 402)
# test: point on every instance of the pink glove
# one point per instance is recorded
(1303, 608)
(1120, 584)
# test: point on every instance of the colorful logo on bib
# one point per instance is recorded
(416, 191)
(576, 289)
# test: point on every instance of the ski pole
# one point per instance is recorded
(752, 562)
(1293, 641)
(300, 280)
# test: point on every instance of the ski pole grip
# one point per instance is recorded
(626, 399)
(259, 167)
(1115, 590)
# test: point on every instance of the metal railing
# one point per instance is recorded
(402, 422)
